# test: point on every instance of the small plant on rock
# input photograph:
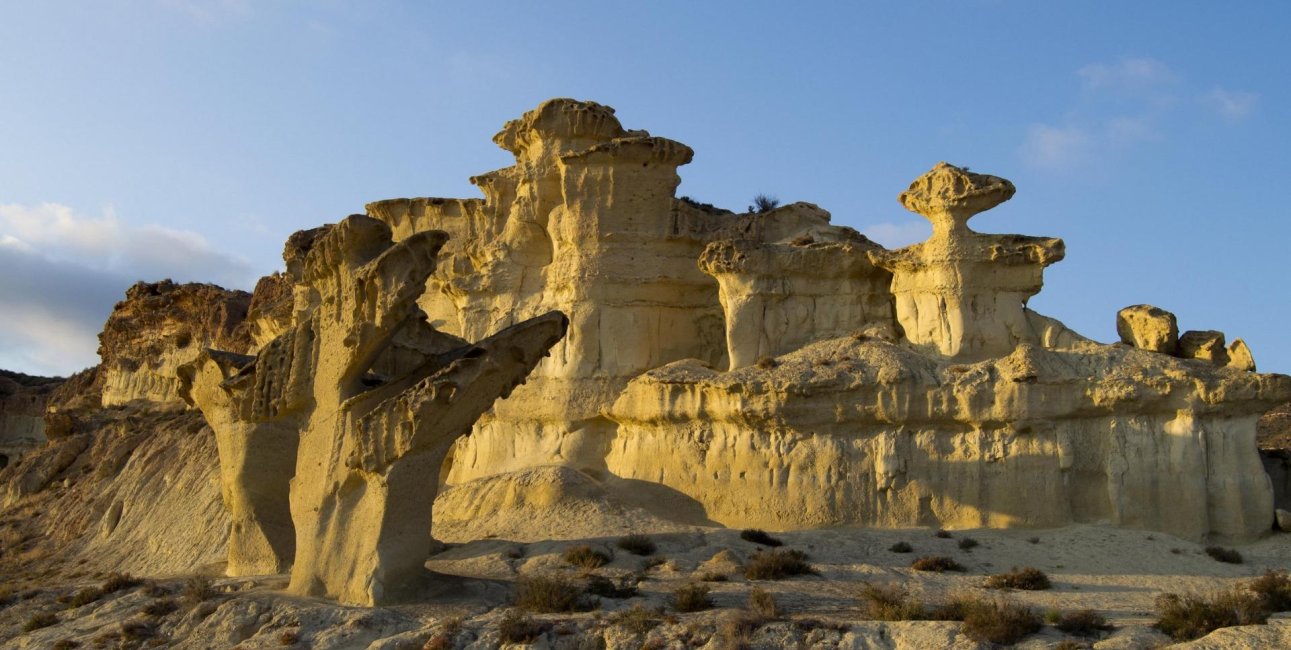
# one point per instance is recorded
(548, 593)
(39, 620)
(777, 565)
(764, 203)
(767, 363)
(1274, 590)
(1192, 616)
(692, 597)
(637, 619)
(759, 537)
(637, 544)
(762, 603)
(967, 544)
(1000, 621)
(84, 597)
(942, 533)
(1028, 579)
(117, 581)
(515, 627)
(901, 547)
(890, 603)
(606, 588)
(1083, 622)
(586, 557)
(936, 563)
(198, 589)
(1226, 555)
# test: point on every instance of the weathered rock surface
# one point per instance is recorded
(159, 327)
(22, 413)
(1240, 357)
(1207, 345)
(1148, 328)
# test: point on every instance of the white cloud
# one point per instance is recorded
(1232, 105)
(1055, 147)
(1132, 75)
(896, 235)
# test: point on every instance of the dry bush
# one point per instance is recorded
(713, 576)
(1033, 540)
(759, 537)
(762, 603)
(136, 630)
(66, 644)
(692, 597)
(1192, 616)
(942, 533)
(117, 581)
(1226, 555)
(548, 593)
(84, 597)
(777, 565)
(1083, 622)
(516, 627)
(637, 544)
(1000, 621)
(936, 563)
(967, 544)
(160, 607)
(890, 603)
(901, 547)
(39, 620)
(735, 630)
(1274, 590)
(637, 619)
(197, 589)
(585, 557)
(602, 586)
(288, 637)
(764, 203)
(767, 363)
(1027, 579)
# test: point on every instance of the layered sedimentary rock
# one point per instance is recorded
(360, 400)
(158, 328)
(22, 413)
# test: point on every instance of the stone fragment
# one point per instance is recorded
(1148, 328)
(1239, 356)
(1283, 520)
(1206, 345)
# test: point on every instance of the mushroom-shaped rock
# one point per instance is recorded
(1206, 345)
(1148, 328)
(949, 196)
(1239, 356)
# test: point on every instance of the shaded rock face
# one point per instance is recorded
(22, 413)
(345, 415)
(159, 327)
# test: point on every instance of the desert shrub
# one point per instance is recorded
(1033, 540)
(84, 597)
(735, 630)
(438, 641)
(999, 621)
(1274, 590)
(637, 544)
(160, 607)
(759, 537)
(1082, 622)
(288, 637)
(39, 620)
(762, 603)
(942, 533)
(586, 557)
(890, 603)
(764, 203)
(967, 544)
(637, 619)
(1028, 579)
(1068, 644)
(548, 593)
(767, 363)
(713, 576)
(936, 563)
(197, 589)
(1192, 616)
(777, 565)
(117, 581)
(1226, 555)
(136, 629)
(691, 597)
(66, 644)
(602, 586)
(901, 547)
(515, 627)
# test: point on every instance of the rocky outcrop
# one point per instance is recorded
(348, 412)
(160, 327)
(22, 413)
(1148, 328)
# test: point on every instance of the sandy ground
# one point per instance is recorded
(1117, 572)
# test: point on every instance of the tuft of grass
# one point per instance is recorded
(767, 363)
(762, 603)
(39, 620)
(198, 589)
(736, 629)
(637, 544)
(1027, 578)
(764, 203)
(585, 557)
(1193, 616)
(637, 619)
(691, 597)
(516, 627)
(936, 563)
(1226, 555)
(66, 644)
(777, 565)
(998, 621)
(1083, 622)
(117, 581)
(967, 544)
(713, 576)
(942, 533)
(84, 597)
(901, 547)
(891, 603)
(602, 586)
(1274, 590)
(548, 593)
(160, 607)
(759, 537)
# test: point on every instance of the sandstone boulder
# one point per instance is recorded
(1148, 328)
(1240, 357)
(1206, 345)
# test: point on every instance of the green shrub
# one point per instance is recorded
(936, 563)
(759, 537)
(777, 565)
(901, 547)
(1028, 579)
(691, 597)
(586, 557)
(637, 544)
(1226, 555)
(1083, 622)
(548, 593)
(1192, 616)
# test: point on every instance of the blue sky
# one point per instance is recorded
(183, 138)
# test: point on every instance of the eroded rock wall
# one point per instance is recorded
(22, 413)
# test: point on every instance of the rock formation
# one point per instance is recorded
(22, 413)
(348, 412)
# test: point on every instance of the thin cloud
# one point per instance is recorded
(1133, 75)
(897, 235)
(1055, 147)
(1232, 105)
